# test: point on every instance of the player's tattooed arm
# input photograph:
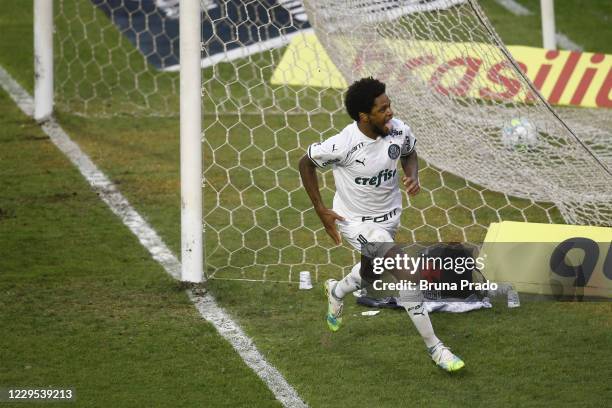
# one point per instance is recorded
(410, 164)
(327, 216)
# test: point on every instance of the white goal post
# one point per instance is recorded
(192, 257)
(548, 24)
(43, 59)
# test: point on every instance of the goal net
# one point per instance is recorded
(273, 75)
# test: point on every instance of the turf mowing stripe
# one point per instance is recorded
(148, 237)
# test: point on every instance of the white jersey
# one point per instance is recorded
(365, 170)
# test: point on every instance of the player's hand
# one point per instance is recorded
(328, 218)
(412, 185)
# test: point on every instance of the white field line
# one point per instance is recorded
(148, 237)
(514, 7)
(565, 42)
(519, 10)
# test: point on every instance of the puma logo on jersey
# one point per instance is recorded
(383, 175)
(361, 161)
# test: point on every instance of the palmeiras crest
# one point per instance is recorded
(394, 151)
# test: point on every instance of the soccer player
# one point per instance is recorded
(367, 204)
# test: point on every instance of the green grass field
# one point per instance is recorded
(83, 304)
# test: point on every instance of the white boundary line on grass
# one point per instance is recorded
(515, 8)
(565, 42)
(148, 237)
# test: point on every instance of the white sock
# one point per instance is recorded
(349, 283)
(412, 301)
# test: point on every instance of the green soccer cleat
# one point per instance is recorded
(442, 356)
(334, 306)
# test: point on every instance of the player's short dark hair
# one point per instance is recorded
(361, 94)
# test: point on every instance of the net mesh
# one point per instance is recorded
(259, 223)
(111, 57)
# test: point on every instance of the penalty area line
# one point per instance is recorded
(148, 237)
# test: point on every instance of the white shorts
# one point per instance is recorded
(370, 238)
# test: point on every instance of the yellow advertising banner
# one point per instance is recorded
(473, 70)
(549, 259)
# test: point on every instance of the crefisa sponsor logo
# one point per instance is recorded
(382, 176)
